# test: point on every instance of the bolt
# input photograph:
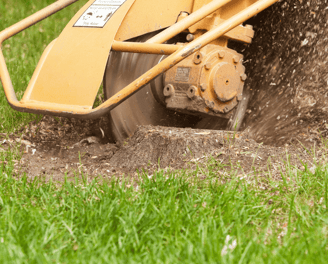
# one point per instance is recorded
(226, 109)
(236, 59)
(190, 37)
(239, 97)
(191, 93)
(169, 90)
(208, 66)
(243, 77)
(203, 87)
(211, 105)
(221, 54)
(198, 57)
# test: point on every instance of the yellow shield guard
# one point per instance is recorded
(73, 69)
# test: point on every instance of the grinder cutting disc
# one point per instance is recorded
(147, 106)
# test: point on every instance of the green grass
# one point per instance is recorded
(23, 51)
(166, 218)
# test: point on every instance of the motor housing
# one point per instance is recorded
(209, 82)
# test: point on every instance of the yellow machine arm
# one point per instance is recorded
(71, 69)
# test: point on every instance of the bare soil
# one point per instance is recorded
(57, 148)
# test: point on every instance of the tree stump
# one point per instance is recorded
(168, 147)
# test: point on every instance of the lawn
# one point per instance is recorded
(168, 217)
(165, 218)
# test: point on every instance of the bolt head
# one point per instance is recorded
(190, 37)
(169, 90)
(236, 59)
(239, 97)
(191, 93)
(210, 104)
(221, 54)
(208, 66)
(198, 57)
(243, 77)
(203, 87)
(226, 109)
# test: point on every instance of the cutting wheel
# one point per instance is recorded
(146, 107)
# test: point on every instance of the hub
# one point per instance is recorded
(208, 82)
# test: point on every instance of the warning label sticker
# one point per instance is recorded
(98, 14)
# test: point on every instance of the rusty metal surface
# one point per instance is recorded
(221, 82)
(209, 82)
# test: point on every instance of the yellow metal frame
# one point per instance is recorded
(177, 53)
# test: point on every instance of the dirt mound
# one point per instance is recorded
(152, 147)
(288, 73)
(58, 148)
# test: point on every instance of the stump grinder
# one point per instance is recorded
(161, 62)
